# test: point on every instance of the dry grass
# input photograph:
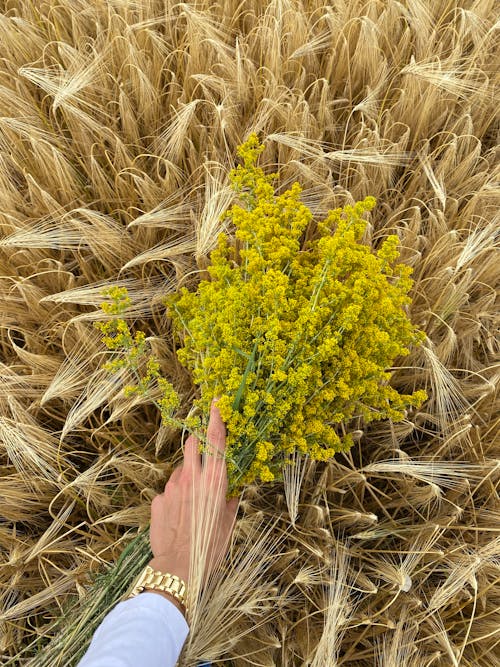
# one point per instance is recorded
(118, 126)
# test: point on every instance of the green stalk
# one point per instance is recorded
(71, 633)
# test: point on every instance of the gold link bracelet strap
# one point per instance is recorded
(160, 581)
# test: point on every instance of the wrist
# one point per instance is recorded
(166, 564)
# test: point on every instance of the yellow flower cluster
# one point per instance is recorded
(294, 338)
(117, 337)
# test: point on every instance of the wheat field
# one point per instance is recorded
(119, 122)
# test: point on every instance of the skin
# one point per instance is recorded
(193, 482)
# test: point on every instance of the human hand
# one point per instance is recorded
(194, 502)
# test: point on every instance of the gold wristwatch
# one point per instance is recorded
(160, 581)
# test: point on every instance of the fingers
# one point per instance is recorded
(175, 475)
(192, 458)
(228, 520)
(232, 506)
(214, 462)
(216, 434)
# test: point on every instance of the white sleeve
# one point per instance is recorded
(145, 630)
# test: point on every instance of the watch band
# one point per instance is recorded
(160, 581)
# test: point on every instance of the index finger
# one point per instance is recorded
(192, 459)
(216, 438)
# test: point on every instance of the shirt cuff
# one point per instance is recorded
(159, 604)
(147, 629)
(166, 606)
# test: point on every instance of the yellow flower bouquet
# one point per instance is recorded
(295, 338)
